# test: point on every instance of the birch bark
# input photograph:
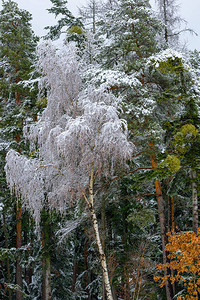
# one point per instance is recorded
(90, 203)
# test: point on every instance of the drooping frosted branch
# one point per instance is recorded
(97, 136)
(25, 181)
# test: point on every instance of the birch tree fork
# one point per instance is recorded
(80, 139)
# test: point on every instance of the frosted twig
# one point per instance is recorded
(46, 166)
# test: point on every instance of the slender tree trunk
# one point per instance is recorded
(7, 259)
(46, 262)
(102, 255)
(86, 266)
(90, 204)
(171, 228)
(28, 270)
(171, 219)
(161, 212)
(103, 239)
(165, 20)
(114, 293)
(94, 16)
(46, 278)
(18, 246)
(194, 201)
(18, 216)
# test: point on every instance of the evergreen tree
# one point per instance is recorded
(145, 104)
(126, 40)
(17, 46)
(66, 21)
(17, 50)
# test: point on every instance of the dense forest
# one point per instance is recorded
(99, 150)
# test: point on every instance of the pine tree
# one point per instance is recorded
(17, 46)
(66, 21)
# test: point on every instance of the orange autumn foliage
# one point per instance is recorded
(184, 257)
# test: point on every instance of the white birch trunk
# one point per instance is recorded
(97, 238)
(102, 255)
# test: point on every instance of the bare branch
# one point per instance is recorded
(131, 172)
(183, 30)
(46, 166)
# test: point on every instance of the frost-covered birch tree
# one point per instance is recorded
(79, 139)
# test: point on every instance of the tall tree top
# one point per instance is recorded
(169, 14)
(17, 38)
(66, 21)
(59, 7)
(128, 33)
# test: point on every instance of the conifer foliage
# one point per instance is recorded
(66, 22)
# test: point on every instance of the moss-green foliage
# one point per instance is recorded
(171, 65)
(184, 137)
(169, 166)
(75, 29)
(76, 34)
(189, 131)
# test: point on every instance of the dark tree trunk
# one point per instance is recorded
(7, 259)
(46, 260)
(86, 276)
(162, 219)
(75, 270)
(46, 278)
(28, 269)
(171, 219)
(165, 21)
(18, 246)
(194, 201)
